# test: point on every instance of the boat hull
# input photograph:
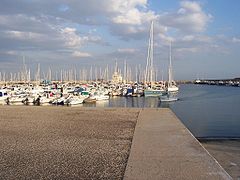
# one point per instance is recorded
(153, 93)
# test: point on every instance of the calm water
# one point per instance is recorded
(208, 111)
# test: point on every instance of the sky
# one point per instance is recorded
(65, 34)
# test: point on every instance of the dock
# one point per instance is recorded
(163, 148)
(100, 143)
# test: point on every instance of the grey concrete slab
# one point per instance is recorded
(163, 148)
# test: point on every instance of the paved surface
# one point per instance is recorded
(227, 153)
(64, 143)
(163, 148)
(94, 143)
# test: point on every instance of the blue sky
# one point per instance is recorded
(63, 34)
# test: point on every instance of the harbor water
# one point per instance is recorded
(207, 111)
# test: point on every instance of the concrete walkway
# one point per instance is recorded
(163, 148)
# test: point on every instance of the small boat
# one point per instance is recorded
(18, 99)
(59, 101)
(75, 100)
(168, 97)
(99, 96)
(3, 96)
(153, 92)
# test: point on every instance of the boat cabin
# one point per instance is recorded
(3, 94)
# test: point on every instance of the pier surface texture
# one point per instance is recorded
(97, 143)
(163, 148)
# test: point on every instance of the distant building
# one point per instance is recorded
(117, 77)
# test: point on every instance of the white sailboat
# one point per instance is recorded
(172, 86)
(151, 91)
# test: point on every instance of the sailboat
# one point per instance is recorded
(172, 88)
(151, 90)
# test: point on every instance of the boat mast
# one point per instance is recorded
(125, 71)
(170, 78)
(149, 65)
(151, 58)
(91, 74)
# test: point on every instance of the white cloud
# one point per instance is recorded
(9, 52)
(189, 49)
(129, 21)
(124, 5)
(131, 17)
(81, 54)
(236, 40)
(74, 40)
(189, 18)
(24, 35)
(188, 38)
(127, 50)
(70, 37)
(197, 38)
(12, 52)
(190, 6)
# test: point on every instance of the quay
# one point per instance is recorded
(100, 143)
(163, 148)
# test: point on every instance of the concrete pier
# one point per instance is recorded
(163, 148)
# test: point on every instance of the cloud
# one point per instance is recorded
(196, 38)
(127, 50)
(190, 17)
(190, 49)
(130, 14)
(190, 6)
(62, 30)
(236, 40)
(9, 52)
(127, 19)
(24, 35)
(70, 37)
(80, 54)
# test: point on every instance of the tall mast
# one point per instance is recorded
(37, 76)
(61, 76)
(151, 58)
(29, 75)
(75, 75)
(149, 65)
(116, 68)
(106, 73)
(170, 66)
(96, 76)
(49, 74)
